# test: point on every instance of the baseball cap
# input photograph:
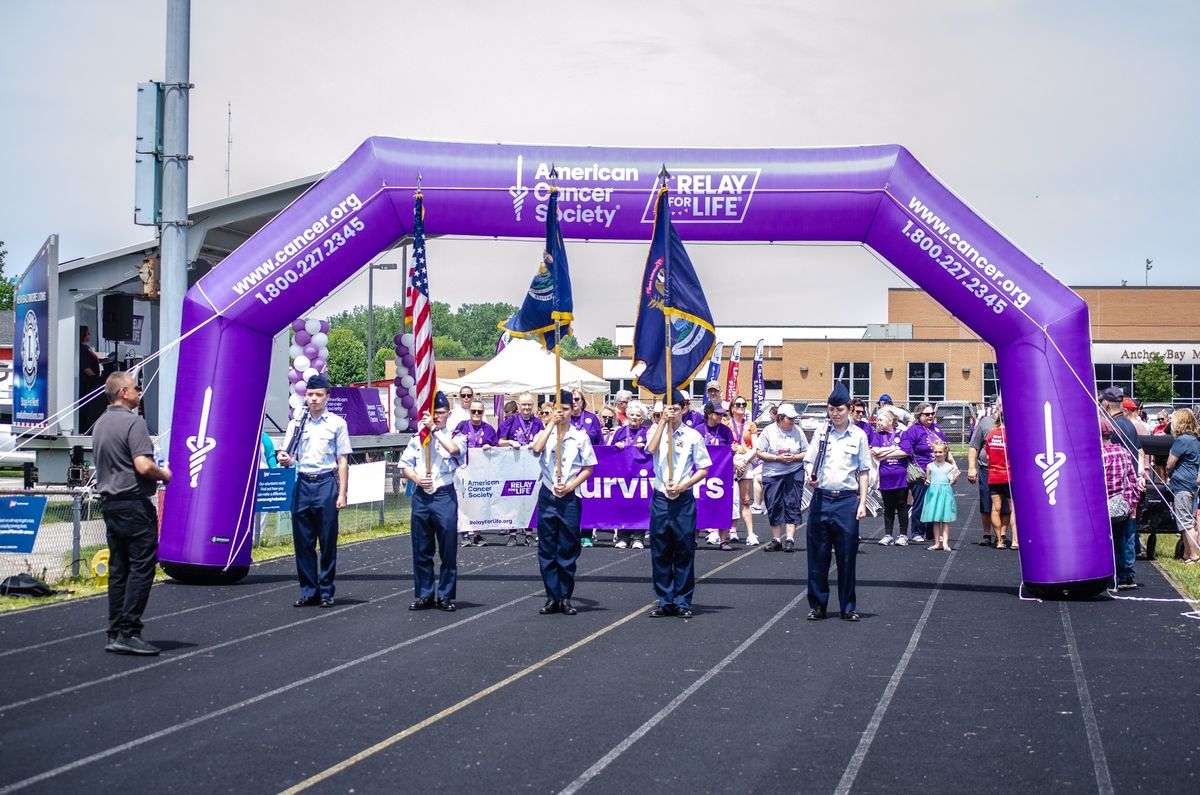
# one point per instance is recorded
(787, 410)
(885, 398)
(715, 407)
(712, 385)
(1113, 394)
(1129, 405)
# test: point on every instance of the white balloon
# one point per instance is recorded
(407, 382)
(324, 352)
(320, 339)
(309, 373)
(401, 413)
(401, 370)
(312, 326)
(295, 351)
(295, 401)
(407, 339)
(302, 363)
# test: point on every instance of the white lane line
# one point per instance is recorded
(659, 716)
(174, 658)
(169, 730)
(221, 603)
(885, 700)
(1104, 783)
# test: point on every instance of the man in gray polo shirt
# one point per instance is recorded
(127, 481)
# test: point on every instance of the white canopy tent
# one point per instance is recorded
(524, 366)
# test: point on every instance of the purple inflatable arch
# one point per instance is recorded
(877, 195)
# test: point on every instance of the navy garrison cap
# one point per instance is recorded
(678, 397)
(565, 397)
(318, 382)
(839, 396)
(440, 401)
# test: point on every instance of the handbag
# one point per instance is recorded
(915, 474)
(1118, 507)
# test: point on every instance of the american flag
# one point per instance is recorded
(422, 326)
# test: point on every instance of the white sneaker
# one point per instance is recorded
(757, 509)
(733, 535)
(901, 541)
(752, 540)
(620, 545)
(637, 544)
(886, 541)
(712, 538)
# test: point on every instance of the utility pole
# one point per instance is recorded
(228, 142)
(1148, 267)
(173, 235)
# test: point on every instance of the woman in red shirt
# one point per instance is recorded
(998, 481)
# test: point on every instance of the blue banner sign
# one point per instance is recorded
(274, 491)
(20, 518)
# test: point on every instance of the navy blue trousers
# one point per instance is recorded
(673, 548)
(558, 541)
(435, 529)
(315, 521)
(832, 532)
(914, 515)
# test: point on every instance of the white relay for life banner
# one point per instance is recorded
(497, 489)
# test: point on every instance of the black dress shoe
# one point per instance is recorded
(566, 608)
(662, 611)
(307, 601)
(446, 605)
(816, 614)
(551, 606)
(424, 603)
(851, 616)
(683, 612)
(326, 601)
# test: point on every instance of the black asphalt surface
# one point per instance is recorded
(950, 683)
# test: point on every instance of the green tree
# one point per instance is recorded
(347, 357)
(600, 347)
(1152, 380)
(6, 287)
(477, 326)
(446, 347)
(382, 357)
(569, 347)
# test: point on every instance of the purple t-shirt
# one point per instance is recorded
(478, 435)
(893, 472)
(720, 436)
(630, 437)
(589, 423)
(917, 441)
(693, 419)
(521, 430)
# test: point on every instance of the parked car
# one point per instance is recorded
(956, 418)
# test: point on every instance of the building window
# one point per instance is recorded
(1187, 382)
(991, 382)
(615, 385)
(855, 376)
(926, 382)
(1114, 375)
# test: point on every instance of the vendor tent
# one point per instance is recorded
(524, 366)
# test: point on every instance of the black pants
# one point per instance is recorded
(132, 530)
(315, 520)
(895, 506)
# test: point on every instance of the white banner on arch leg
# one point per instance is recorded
(497, 490)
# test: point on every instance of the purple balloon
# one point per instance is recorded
(319, 364)
(311, 352)
(294, 375)
(412, 424)
(303, 338)
(298, 325)
(407, 401)
(324, 326)
(399, 340)
(299, 388)
(409, 361)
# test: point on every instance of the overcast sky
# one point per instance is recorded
(1072, 126)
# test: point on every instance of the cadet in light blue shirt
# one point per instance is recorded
(680, 462)
(318, 445)
(559, 507)
(839, 463)
(434, 506)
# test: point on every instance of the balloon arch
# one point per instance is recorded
(880, 196)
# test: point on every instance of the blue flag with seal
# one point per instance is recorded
(549, 296)
(670, 288)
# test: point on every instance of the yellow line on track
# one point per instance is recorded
(487, 691)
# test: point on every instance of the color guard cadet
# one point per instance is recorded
(430, 466)
(318, 445)
(839, 464)
(559, 507)
(673, 509)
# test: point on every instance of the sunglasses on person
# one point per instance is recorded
(466, 394)
(477, 411)
(740, 404)
(926, 413)
(859, 411)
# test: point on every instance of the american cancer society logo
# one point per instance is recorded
(707, 195)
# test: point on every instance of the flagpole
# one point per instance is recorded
(670, 387)
(557, 351)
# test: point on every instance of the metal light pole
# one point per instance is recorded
(382, 266)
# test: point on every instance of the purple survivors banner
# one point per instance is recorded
(360, 407)
(880, 196)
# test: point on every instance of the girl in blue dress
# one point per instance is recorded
(940, 508)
